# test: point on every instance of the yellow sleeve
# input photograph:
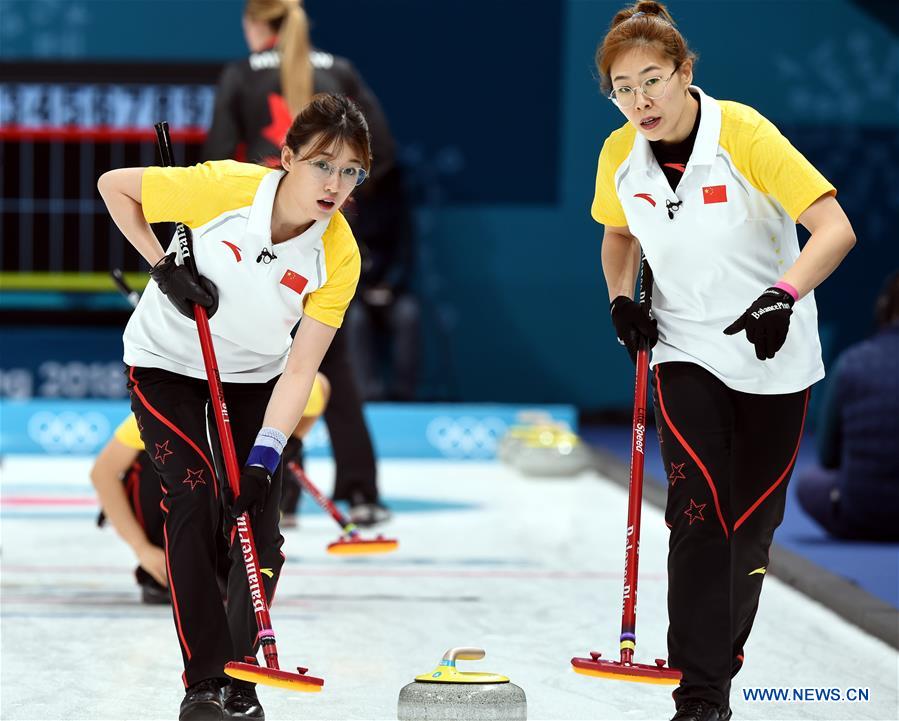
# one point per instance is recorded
(342, 263)
(315, 406)
(606, 207)
(769, 161)
(128, 434)
(198, 194)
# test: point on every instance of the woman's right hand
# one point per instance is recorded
(178, 285)
(632, 322)
(152, 559)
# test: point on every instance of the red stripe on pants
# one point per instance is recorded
(177, 430)
(691, 453)
(782, 475)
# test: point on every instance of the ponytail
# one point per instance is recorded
(288, 19)
(296, 67)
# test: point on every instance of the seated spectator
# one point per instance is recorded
(854, 493)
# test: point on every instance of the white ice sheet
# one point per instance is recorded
(529, 569)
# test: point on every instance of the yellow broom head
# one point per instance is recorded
(355, 546)
(274, 677)
(633, 672)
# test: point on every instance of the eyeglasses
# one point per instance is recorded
(652, 88)
(350, 175)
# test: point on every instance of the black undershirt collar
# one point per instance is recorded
(673, 157)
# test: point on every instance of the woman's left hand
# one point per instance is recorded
(766, 322)
(254, 486)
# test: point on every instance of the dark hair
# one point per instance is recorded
(643, 24)
(333, 121)
(886, 311)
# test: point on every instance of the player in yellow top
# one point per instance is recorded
(271, 247)
(711, 192)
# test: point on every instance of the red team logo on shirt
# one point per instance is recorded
(714, 194)
(234, 249)
(647, 197)
(294, 281)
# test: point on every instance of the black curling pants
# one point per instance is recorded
(354, 458)
(171, 412)
(729, 456)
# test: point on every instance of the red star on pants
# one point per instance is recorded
(677, 472)
(194, 477)
(281, 120)
(694, 512)
(162, 452)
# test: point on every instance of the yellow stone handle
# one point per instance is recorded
(464, 653)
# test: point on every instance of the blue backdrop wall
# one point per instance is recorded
(500, 120)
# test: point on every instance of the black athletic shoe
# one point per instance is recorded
(153, 594)
(700, 710)
(725, 713)
(366, 515)
(241, 702)
(203, 701)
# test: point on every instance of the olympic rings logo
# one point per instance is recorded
(465, 436)
(68, 432)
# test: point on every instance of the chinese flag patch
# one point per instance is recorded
(294, 281)
(714, 194)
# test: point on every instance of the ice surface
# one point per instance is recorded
(529, 569)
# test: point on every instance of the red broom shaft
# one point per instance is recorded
(319, 497)
(245, 533)
(634, 506)
(635, 493)
(222, 421)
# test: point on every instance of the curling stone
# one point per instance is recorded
(447, 694)
(509, 445)
(528, 423)
(553, 452)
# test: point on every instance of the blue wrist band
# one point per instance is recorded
(267, 450)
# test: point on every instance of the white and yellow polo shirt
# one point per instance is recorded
(228, 205)
(726, 234)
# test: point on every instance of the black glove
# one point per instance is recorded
(766, 322)
(178, 285)
(254, 485)
(633, 323)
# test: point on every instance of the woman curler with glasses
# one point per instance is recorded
(255, 100)
(237, 212)
(711, 192)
